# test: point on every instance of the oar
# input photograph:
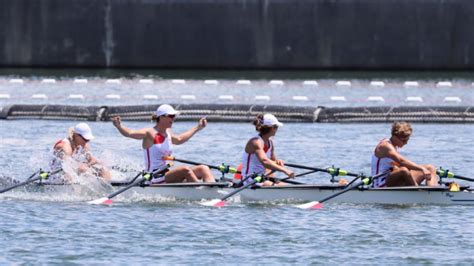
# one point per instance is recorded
(319, 204)
(41, 175)
(221, 202)
(286, 180)
(331, 170)
(225, 169)
(444, 173)
(145, 176)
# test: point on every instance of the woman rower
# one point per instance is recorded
(158, 141)
(400, 171)
(259, 153)
(76, 147)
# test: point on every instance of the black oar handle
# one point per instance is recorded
(331, 170)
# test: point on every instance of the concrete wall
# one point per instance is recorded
(321, 34)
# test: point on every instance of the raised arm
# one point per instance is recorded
(129, 133)
(183, 137)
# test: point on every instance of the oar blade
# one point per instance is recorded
(310, 205)
(213, 203)
(101, 201)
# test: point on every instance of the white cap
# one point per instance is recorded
(84, 130)
(166, 109)
(271, 120)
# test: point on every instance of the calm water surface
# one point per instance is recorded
(58, 229)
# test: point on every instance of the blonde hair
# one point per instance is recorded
(70, 133)
(401, 129)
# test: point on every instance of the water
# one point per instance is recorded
(60, 229)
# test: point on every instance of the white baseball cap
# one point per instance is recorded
(271, 120)
(84, 130)
(166, 109)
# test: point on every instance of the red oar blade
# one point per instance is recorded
(101, 201)
(213, 203)
(310, 205)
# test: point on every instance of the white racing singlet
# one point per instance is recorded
(251, 164)
(162, 147)
(380, 165)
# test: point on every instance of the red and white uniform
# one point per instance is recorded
(79, 155)
(162, 147)
(251, 164)
(380, 165)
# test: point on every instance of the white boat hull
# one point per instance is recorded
(399, 195)
(292, 193)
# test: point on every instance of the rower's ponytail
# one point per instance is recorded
(258, 122)
(155, 118)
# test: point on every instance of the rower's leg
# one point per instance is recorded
(180, 174)
(400, 176)
(204, 172)
(418, 175)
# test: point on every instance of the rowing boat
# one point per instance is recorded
(387, 195)
(292, 193)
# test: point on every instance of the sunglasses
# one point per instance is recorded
(403, 138)
(171, 116)
(85, 140)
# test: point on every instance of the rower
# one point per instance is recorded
(403, 171)
(76, 147)
(157, 144)
(259, 153)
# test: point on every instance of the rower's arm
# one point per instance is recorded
(127, 132)
(183, 137)
(399, 159)
(268, 163)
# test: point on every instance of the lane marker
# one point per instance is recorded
(244, 82)
(338, 98)
(76, 96)
(18, 81)
(343, 83)
(48, 81)
(39, 96)
(444, 84)
(262, 98)
(150, 97)
(276, 82)
(375, 99)
(226, 97)
(376, 83)
(310, 83)
(4, 96)
(414, 99)
(188, 97)
(300, 98)
(81, 81)
(211, 82)
(453, 99)
(145, 81)
(113, 81)
(112, 96)
(178, 81)
(411, 84)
